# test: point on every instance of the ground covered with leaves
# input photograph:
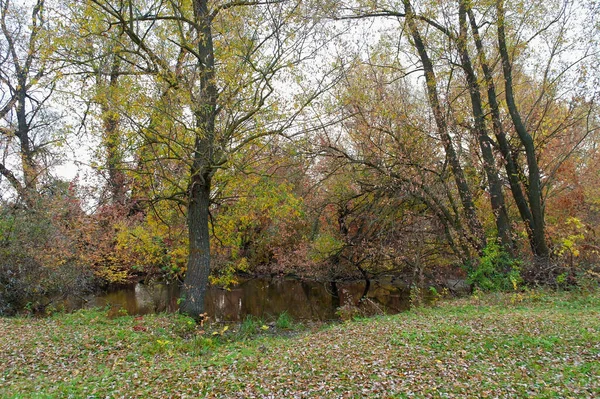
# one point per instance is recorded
(534, 344)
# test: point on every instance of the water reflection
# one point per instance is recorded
(266, 298)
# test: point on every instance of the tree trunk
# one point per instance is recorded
(463, 188)
(489, 163)
(27, 161)
(540, 247)
(111, 121)
(20, 188)
(511, 168)
(196, 277)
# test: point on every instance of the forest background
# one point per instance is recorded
(327, 139)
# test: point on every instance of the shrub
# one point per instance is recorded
(27, 284)
(496, 270)
(39, 264)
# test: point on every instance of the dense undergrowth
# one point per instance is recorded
(523, 344)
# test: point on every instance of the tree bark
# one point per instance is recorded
(111, 121)
(489, 163)
(27, 153)
(198, 269)
(463, 188)
(12, 179)
(511, 168)
(196, 278)
(15, 49)
(534, 192)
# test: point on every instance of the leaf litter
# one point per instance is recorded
(462, 348)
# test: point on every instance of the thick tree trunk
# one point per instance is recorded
(489, 163)
(463, 188)
(534, 192)
(196, 278)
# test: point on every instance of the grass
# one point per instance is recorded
(534, 344)
(284, 321)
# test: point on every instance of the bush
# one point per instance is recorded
(496, 270)
(38, 265)
(26, 284)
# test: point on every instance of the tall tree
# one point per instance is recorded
(25, 88)
(512, 172)
(549, 32)
(480, 130)
(440, 119)
(108, 85)
(218, 91)
(104, 80)
(534, 192)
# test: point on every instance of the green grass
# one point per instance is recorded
(284, 321)
(535, 344)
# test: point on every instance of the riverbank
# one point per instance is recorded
(535, 344)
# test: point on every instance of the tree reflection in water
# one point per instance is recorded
(265, 298)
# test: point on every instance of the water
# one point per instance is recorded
(265, 298)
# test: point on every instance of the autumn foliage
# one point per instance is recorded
(258, 138)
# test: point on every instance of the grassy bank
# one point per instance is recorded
(512, 345)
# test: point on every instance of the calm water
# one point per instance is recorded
(266, 298)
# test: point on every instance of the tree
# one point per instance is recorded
(217, 79)
(526, 177)
(553, 70)
(536, 223)
(440, 118)
(26, 84)
(387, 188)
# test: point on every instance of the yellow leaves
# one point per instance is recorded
(569, 243)
(252, 222)
(514, 283)
(221, 332)
(575, 222)
(325, 245)
(225, 276)
(153, 244)
(112, 274)
(243, 265)
(517, 298)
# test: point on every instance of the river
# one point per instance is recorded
(261, 297)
